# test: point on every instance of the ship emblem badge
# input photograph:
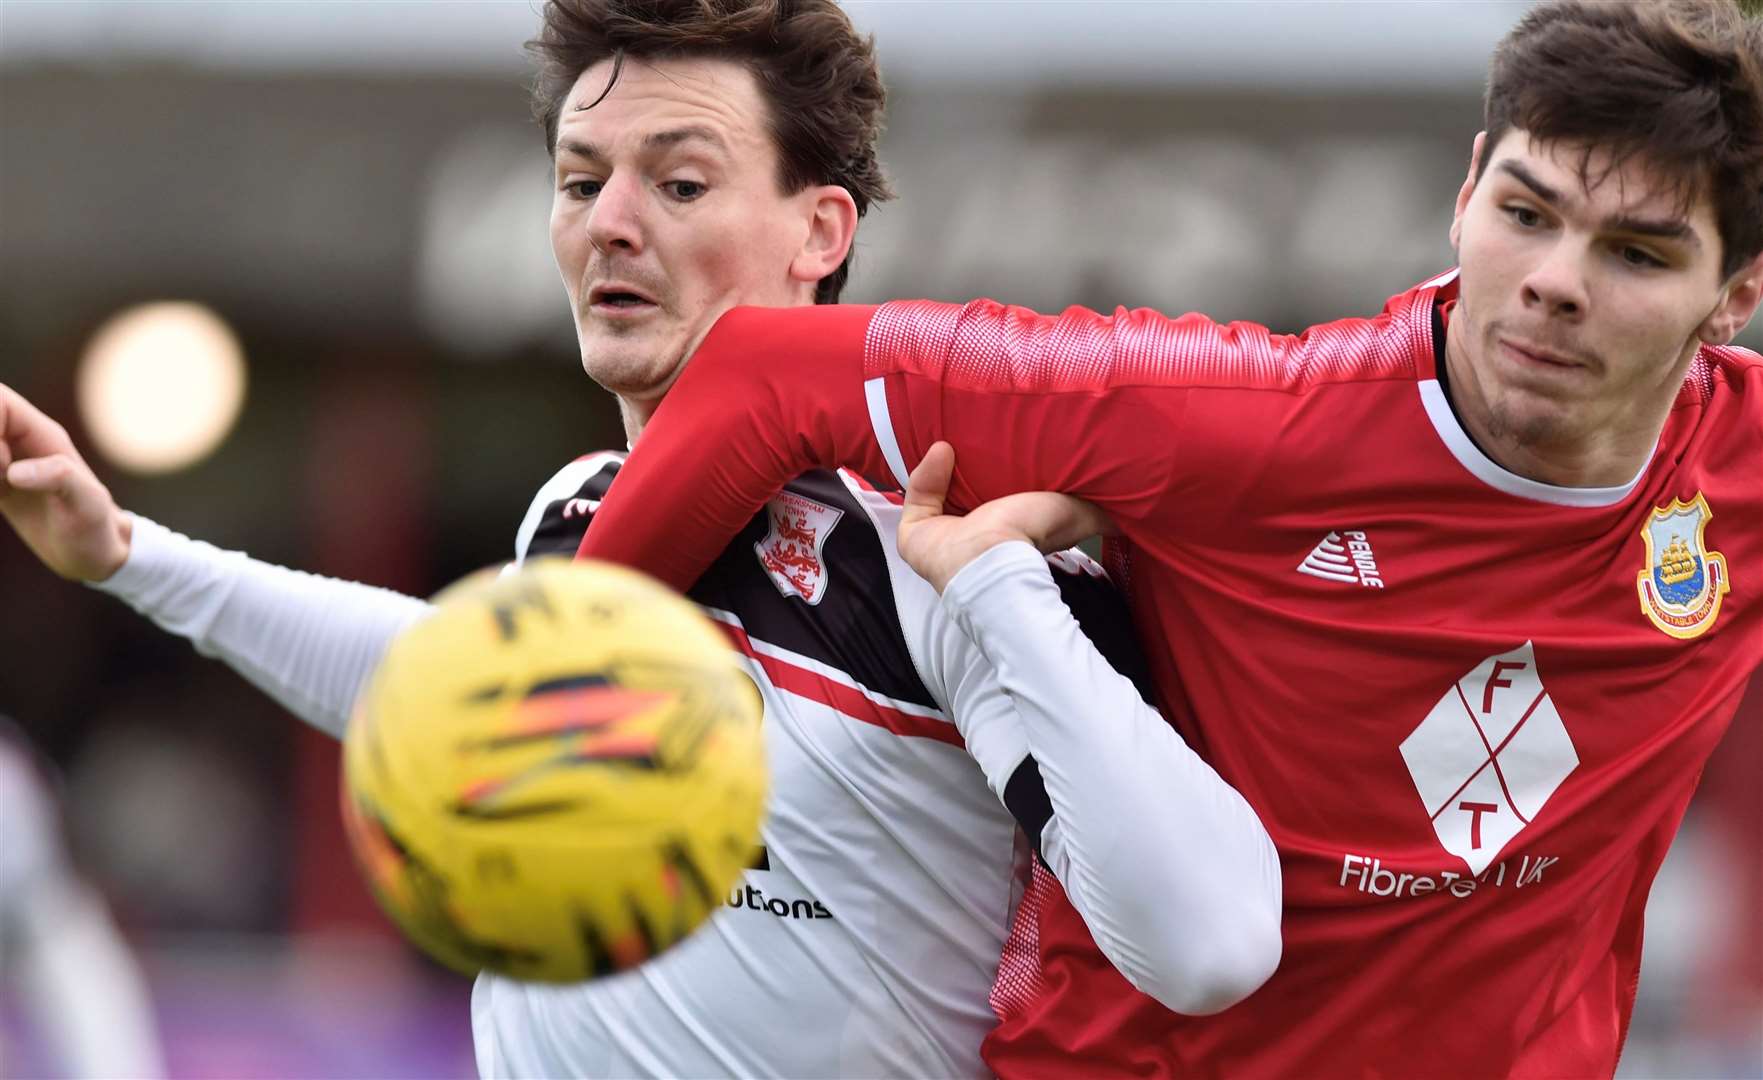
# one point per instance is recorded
(1683, 582)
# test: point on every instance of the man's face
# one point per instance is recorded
(1580, 309)
(666, 213)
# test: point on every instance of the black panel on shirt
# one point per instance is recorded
(1102, 615)
(562, 535)
(1025, 796)
(855, 628)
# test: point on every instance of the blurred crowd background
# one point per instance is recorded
(382, 371)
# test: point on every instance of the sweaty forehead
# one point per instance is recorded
(716, 98)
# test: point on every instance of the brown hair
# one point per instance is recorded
(1678, 82)
(817, 74)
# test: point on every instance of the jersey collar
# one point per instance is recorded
(1463, 448)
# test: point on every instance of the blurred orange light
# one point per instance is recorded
(160, 386)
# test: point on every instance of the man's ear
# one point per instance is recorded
(832, 226)
(1738, 302)
(1468, 188)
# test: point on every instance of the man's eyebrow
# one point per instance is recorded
(659, 140)
(1529, 179)
(579, 149)
(1663, 228)
(676, 136)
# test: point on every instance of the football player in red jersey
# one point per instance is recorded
(1460, 596)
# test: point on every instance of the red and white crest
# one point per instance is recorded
(790, 552)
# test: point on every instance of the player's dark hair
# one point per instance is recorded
(817, 74)
(1677, 82)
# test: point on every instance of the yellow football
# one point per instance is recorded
(557, 774)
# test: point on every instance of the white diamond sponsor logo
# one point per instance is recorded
(1488, 756)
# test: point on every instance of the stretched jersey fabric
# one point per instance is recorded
(1469, 707)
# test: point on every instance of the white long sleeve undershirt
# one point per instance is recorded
(1170, 868)
(307, 641)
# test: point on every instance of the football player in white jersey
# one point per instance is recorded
(709, 155)
(60, 955)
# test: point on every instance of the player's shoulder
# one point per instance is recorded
(557, 517)
(811, 328)
(1400, 344)
(1720, 407)
(1716, 433)
(1723, 369)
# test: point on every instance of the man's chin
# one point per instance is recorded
(1530, 419)
(631, 369)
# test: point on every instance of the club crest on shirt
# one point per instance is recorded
(790, 551)
(1683, 581)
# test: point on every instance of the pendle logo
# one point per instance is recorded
(1347, 559)
(1488, 756)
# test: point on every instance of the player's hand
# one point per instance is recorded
(52, 499)
(938, 545)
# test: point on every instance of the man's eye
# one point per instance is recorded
(1524, 216)
(583, 189)
(1641, 257)
(685, 190)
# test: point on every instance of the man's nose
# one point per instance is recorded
(615, 222)
(1557, 284)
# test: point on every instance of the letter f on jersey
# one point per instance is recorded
(1488, 756)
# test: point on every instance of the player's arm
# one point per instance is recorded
(1079, 403)
(310, 642)
(1170, 868)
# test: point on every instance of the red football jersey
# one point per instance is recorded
(1469, 707)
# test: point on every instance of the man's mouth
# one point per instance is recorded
(1537, 356)
(619, 297)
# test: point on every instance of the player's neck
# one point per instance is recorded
(1605, 455)
(636, 416)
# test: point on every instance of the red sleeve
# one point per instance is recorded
(770, 394)
(1080, 403)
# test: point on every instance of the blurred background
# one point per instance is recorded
(335, 213)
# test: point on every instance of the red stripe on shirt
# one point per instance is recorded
(846, 700)
(895, 497)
